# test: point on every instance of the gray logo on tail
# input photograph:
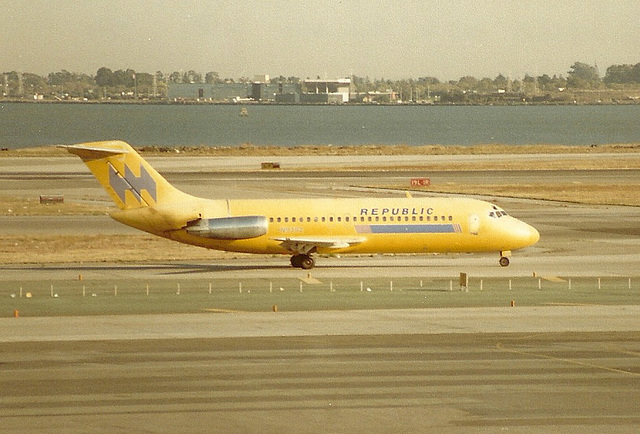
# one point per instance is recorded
(132, 183)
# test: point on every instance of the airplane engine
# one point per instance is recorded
(229, 228)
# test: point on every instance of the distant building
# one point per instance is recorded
(273, 92)
(218, 92)
(374, 97)
(262, 78)
(326, 91)
(310, 91)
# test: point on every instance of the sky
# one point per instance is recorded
(390, 39)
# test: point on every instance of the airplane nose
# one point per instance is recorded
(534, 235)
(522, 235)
(527, 235)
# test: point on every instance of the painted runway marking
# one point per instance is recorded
(565, 360)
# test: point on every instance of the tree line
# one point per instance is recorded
(131, 84)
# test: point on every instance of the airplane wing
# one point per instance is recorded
(305, 245)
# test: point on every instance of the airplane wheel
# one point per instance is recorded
(296, 260)
(504, 261)
(307, 262)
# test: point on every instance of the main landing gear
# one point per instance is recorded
(306, 262)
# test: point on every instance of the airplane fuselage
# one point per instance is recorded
(394, 225)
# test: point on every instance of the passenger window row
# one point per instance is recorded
(361, 219)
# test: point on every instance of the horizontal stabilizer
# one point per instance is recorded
(91, 152)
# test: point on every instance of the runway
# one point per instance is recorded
(523, 369)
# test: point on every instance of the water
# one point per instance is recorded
(27, 125)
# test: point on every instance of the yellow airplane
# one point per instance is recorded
(299, 227)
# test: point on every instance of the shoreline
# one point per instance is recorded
(248, 149)
(623, 102)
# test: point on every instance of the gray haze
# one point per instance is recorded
(446, 39)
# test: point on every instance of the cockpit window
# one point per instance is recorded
(497, 213)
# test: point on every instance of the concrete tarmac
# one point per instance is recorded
(543, 369)
(560, 369)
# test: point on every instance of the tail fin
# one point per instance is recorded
(125, 175)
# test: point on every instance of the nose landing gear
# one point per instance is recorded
(306, 262)
(504, 258)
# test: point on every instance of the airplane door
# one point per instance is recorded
(474, 224)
